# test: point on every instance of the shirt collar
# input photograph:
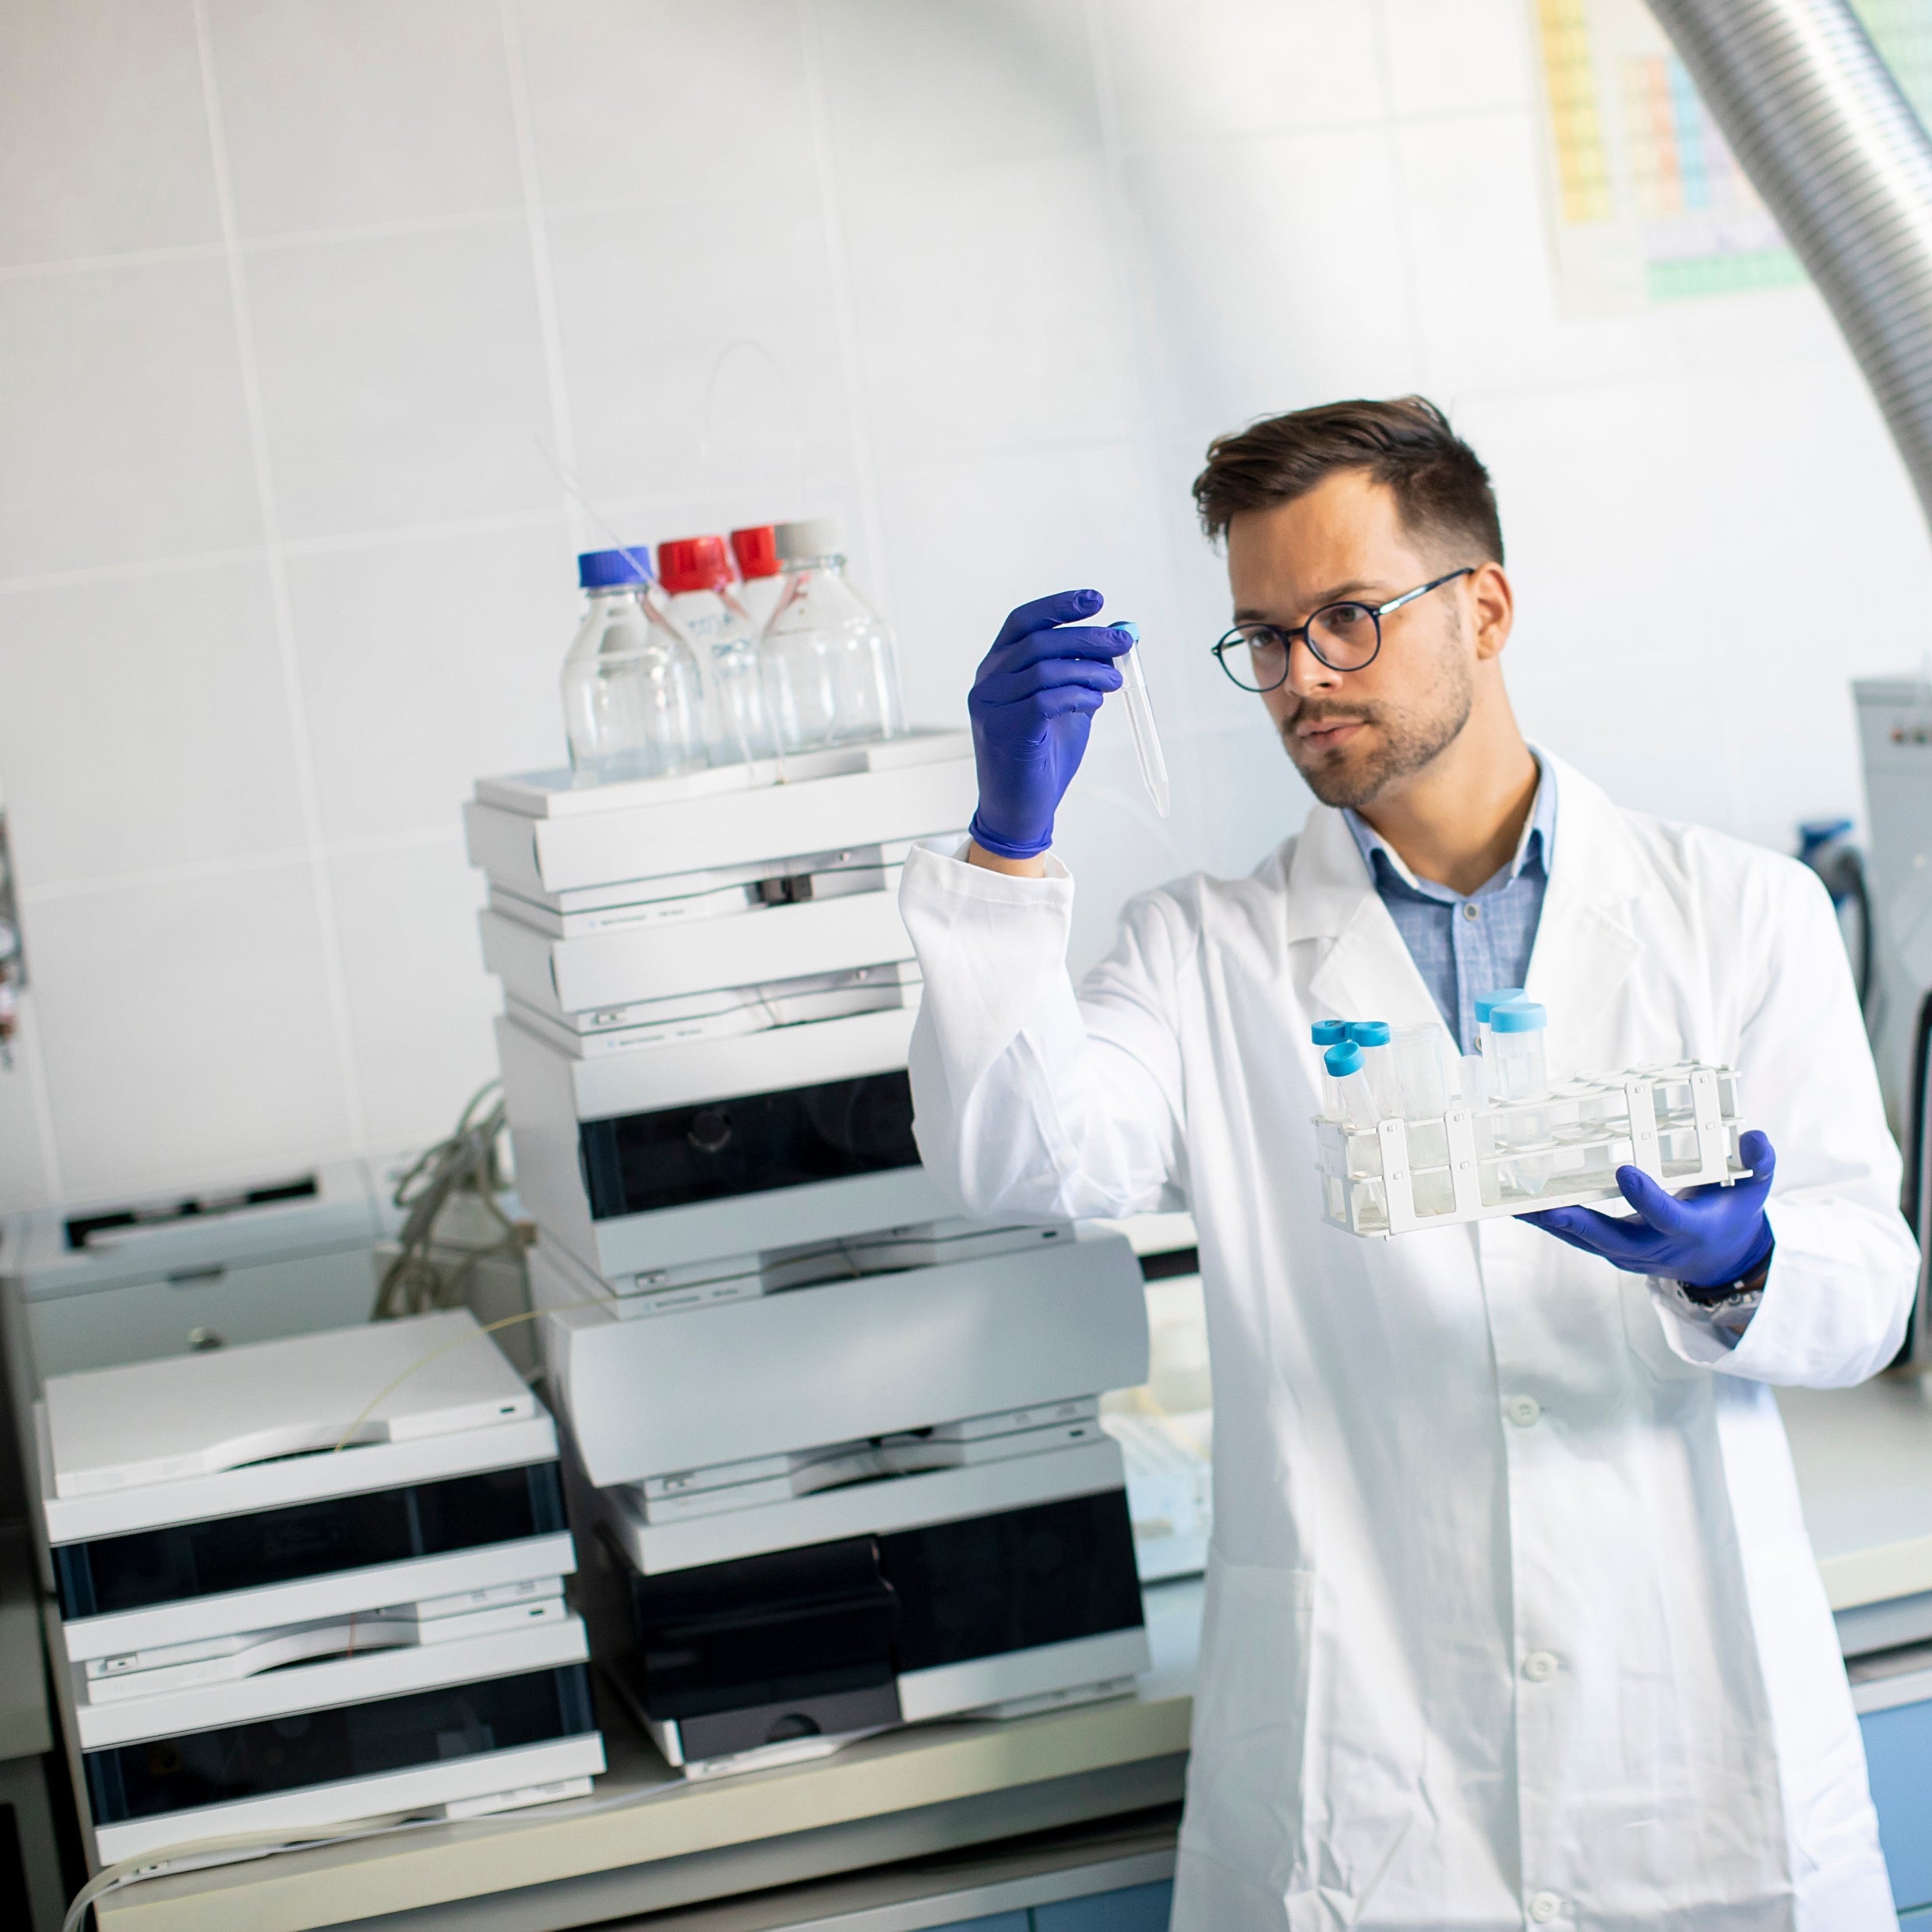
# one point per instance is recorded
(1537, 840)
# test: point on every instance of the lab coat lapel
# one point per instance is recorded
(1587, 945)
(1359, 967)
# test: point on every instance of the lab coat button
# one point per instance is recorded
(1523, 1410)
(1544, 1906)
(1539, 1666)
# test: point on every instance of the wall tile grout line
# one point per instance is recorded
(334, 979)
(94, 264)
(404, 838)
(844, 305)
(549, 328)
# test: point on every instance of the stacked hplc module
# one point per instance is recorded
(835, 1453)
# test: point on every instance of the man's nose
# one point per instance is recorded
(1307, 675)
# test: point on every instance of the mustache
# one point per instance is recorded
(1321, 715)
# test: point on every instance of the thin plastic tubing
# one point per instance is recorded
(1147, 734)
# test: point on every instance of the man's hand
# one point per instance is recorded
(1707, 1238)
(1032, 705)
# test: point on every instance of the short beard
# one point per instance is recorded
(1409, 743)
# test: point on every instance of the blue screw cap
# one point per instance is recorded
(1329, 1032)
(1518, 1016)
(1343, 1059)
(1368, 1032)
(607, 569)
(1487, 1003)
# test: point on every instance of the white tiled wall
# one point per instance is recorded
(307, 305)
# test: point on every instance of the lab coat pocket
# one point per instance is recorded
(1250, 1722)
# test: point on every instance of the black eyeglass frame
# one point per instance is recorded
(1241, 635)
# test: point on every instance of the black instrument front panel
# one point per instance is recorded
(159, 1775)
(150, 1567)
(640, 1162)
(803, 1624)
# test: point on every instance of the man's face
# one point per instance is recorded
(1353, 734)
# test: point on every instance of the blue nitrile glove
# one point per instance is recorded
(1712, 1236)
(1032, 705)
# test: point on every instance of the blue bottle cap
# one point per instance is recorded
(1343, 1059)
(1368, 1032)
(1329, 1032)
(1518, 1016)
(1487, 1003)
(605, 569)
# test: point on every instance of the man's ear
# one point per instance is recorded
(1494, 606)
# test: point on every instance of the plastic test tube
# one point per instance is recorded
(1146, 737)
(1378, 1063)
(1485, 1003)
(1357, 1102)
(1514, 1050)
(1327, 1033)
(1418, 1071)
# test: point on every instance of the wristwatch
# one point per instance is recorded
(1727, 1306)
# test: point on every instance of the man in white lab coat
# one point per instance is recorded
(1511, 1619)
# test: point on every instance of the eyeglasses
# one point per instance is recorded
(1345, 637)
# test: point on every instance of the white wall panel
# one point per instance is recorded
(121, 418)
(104, 134)
(402, 379)
(337, 114)
(144, 723)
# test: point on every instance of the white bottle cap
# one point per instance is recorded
(812, 537)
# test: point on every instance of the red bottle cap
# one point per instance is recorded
(693, 563)
(757, 550)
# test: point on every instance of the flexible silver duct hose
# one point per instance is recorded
(1816, 120)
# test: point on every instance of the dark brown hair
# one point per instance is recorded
(1439, 481)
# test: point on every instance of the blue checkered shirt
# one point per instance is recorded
(1466, 945)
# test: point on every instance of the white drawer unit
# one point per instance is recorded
(859, 1358)
(102, 1283)
(212, 1306)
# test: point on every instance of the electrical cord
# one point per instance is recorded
(468, 1165)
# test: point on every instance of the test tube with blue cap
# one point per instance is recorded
(1146, 737)
(1378, 1063)
(1327, 1033)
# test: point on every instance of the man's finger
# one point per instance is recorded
(1096, 641)
(1063, 606)
(1014, 687)
(1624, 1244)
(1657, 1205)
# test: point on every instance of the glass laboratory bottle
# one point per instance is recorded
(697, 575)
(632, 703)
(760, 578)
(831, 667)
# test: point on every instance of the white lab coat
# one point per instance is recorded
(1511, 1618)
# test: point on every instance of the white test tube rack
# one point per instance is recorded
(1679, 1124)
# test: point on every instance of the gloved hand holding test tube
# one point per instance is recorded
(1032, 705)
